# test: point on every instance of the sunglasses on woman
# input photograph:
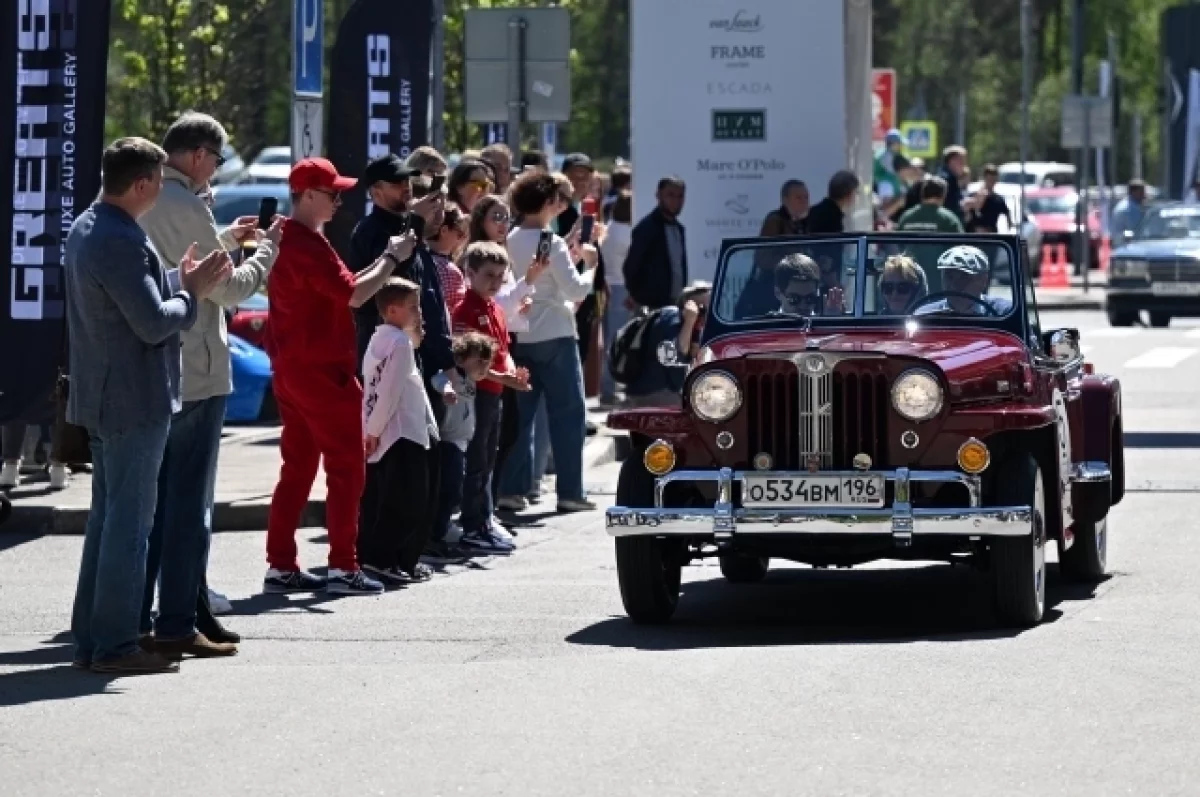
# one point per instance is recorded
(499, 216)
(901, 287)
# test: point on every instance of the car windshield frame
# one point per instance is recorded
(1192, 211)
(1014, 322)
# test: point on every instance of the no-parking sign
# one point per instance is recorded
(921, 137)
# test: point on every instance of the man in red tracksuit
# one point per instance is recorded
(311, 342)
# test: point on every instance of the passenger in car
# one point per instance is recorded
(901, 283)
(800, 290)
(966, 274)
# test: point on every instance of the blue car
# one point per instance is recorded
(252, 399)
(1158, 270)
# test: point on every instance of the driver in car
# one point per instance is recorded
(799, 291)
(966, 275)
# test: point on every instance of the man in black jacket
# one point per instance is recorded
(954, 160)
(656, 268)
(391, 185)
(829, 215)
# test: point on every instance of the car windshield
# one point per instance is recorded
(1064, 203)
(1169, 223)
(884, 276)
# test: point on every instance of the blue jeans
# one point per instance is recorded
(616, 315)
(450, 495)
(555, 375)
(112, 571)
(178, 550)
(541, 445)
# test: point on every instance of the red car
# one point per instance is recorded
(917, 411)
(1054, 211)
(249, 320)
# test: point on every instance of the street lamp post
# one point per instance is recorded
(1026, 78)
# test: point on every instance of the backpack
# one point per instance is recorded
(628, 353)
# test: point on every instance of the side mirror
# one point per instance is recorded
(1063, 345)
(668, 353)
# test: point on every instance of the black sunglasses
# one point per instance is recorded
(220, 158)
(796, 299)
(902, 287)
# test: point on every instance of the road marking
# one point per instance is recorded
(1193, 333)
(1111, 332)
(1162, 357)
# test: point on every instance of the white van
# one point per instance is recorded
(1039, 174)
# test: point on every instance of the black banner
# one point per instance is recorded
(53, 63)
(1181, 54)
(378, 94)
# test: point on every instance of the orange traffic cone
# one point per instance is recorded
(1054, 268)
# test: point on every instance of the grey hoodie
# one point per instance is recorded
(178, 219)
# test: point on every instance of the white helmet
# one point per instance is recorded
(964, 258)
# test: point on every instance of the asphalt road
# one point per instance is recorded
(523, 677)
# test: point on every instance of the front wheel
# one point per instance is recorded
(1086, 561)
(1160, 320)
(1122, 318)
(742, 569)
(649, 569)
(1018, 564)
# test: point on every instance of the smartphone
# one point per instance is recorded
(544, 242)
(439, 180)
(417, 225)
(586, 225)
(266, 211)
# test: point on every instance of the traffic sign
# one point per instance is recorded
(308, 47)
(922, 137)
(308, 117)
(1086, 122)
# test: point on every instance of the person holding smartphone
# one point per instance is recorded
(549, 349)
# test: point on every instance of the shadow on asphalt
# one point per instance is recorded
(937, 603)
(11, 539)
(1162, 439)
(56, 682)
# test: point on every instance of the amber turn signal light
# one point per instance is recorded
(659, 457)
(974, 457)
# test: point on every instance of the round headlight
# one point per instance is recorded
(917, 395)
(716, 396)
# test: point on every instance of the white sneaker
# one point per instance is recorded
(497, 529)
(218, 602)
(59, 476)
(10, 474)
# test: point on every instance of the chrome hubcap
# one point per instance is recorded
(1039, 545)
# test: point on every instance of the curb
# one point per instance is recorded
(1082, 304)
(238, 515)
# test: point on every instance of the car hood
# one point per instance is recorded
(1171, 247)
(962, 354)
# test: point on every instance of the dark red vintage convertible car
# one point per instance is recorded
(870, 397)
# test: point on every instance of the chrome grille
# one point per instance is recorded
(862, 400)
(816, 418)
(1176, 270)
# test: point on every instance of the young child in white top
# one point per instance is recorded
(401, 438)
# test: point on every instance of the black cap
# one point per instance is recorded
(577, 159)
(387, 169)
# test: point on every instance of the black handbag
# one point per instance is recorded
(69, 443)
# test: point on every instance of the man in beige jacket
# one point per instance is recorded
(178, 551)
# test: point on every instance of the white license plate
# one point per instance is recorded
(1176, 288)
(812, 491)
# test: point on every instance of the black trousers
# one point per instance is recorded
(398, 506)
(481, 462)
(510, 423)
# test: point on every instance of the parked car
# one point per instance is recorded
(232, 171)
(1158, 270)
(1042, 174)
(252, 399)
(1055, 210)
(272, 165)
(249, 320)
(243, 199)
(946, 426)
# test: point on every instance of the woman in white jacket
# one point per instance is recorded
(548, 348)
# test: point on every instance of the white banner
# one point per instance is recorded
(735, 97)
(1191, 147)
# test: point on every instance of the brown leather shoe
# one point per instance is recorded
(146, 642)
(137, 663)
(197, 646)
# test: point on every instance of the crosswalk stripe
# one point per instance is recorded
(1193, 333)
(1162, 357)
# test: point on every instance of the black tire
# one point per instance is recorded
(1086, 561)
(1018, 564)
(1122, 318)
(1160, 319)
(649, 569)
(742, 569)
(5, 509)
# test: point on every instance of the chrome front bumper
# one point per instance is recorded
(901, 520)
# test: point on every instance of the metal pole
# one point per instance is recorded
(1026, 80)
(1113, 147)
(1137, 145)
(516, 84)
(1082, 230)
(437, 72)
(1169, 94)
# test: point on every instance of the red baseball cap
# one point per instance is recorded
(318, 173)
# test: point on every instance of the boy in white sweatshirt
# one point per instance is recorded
(400, 499)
